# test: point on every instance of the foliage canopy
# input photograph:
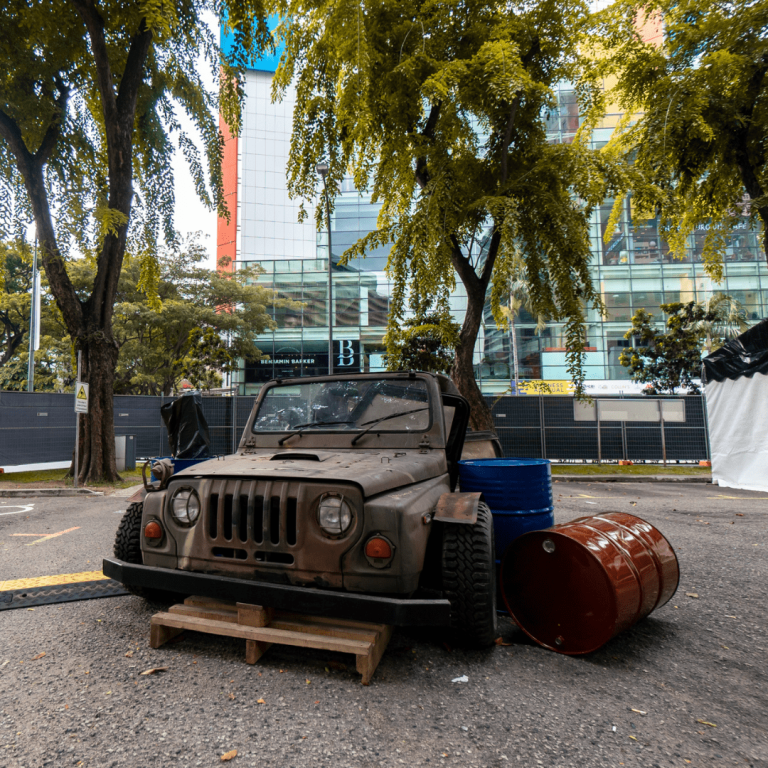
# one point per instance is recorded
(439, 109)
(90, 94)
(199, 327)
(696, 116)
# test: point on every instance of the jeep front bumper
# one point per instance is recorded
(315, 602)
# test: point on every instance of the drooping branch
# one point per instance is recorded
(421, 171)
(31, 166)
(508, 138)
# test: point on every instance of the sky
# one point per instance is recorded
(191, 215)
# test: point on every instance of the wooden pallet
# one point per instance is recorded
(261, 627)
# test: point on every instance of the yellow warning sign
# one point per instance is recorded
(81, 397)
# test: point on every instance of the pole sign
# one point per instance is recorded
(81, 397)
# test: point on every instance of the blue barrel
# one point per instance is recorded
(518, 491)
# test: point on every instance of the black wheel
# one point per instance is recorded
(128, 537)
(128, 549)
(468, 569)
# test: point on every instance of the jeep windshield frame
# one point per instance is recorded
(348, 405)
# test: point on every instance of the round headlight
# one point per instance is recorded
(185, 506)
(334, 515)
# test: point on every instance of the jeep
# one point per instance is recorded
(340, 501)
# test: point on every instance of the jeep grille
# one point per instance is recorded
(251, 512)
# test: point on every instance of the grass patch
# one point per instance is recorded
(636, 469)
(58, 478)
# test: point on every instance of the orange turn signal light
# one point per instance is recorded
(152, 530)
(378, 547)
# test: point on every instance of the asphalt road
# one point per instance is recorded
(697, 659)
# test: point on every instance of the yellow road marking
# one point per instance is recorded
(45, 536)
(51, 581)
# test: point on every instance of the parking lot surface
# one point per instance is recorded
(686, 686)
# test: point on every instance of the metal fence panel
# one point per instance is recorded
(40, 427)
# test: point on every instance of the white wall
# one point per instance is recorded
(268, 226)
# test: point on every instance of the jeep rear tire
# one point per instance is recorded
(128, 549)
(468, 571)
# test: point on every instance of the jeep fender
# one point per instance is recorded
(458, 508)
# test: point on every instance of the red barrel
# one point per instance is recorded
(574, 586)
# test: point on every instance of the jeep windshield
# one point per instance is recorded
(384, 405)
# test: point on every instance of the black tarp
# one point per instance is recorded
(745, 355)
(187, 428)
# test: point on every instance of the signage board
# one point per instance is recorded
(81, 397)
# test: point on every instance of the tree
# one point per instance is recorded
(425, 343)
(440, 110)
(723, 318)
(206, 322)
(89, 96)
(15, 288)
(695, 116)
(671, 359)
(53, 360)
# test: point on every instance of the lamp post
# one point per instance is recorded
(34, 324)
(322, 170)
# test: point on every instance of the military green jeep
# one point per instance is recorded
(340, 501)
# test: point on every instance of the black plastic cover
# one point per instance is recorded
(745, 355)
(187, 427)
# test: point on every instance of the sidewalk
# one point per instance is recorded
(632, 478)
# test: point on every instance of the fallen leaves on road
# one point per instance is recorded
(691, 594)
(705, 722)
(309, 682)
(154, 670)
(500, 641)
(724, 646)
(39, 656)
(260, 701)
(228, 755)
(231, 696)
(634, 504)
(634, 738)
(639, 711)
(739, 514)
(129, 654)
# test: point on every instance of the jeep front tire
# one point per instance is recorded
(468, 575)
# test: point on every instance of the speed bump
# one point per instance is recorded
(60, 588)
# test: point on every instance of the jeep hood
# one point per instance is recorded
(374, 472)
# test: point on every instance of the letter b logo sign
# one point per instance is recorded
(347, 353)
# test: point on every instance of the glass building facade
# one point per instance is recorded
(632, 268)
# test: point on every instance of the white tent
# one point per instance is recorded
(736, 389)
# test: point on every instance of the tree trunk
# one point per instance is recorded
(97, 432)
(463, 370)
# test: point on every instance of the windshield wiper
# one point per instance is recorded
(301, 427)
(384, 418)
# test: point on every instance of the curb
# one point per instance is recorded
(632, 479)
(29, 493)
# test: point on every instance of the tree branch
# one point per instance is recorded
(48, 144)
(421, 172)
(133, 74)
(508, 138)
(31, 169)
(95, 26)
